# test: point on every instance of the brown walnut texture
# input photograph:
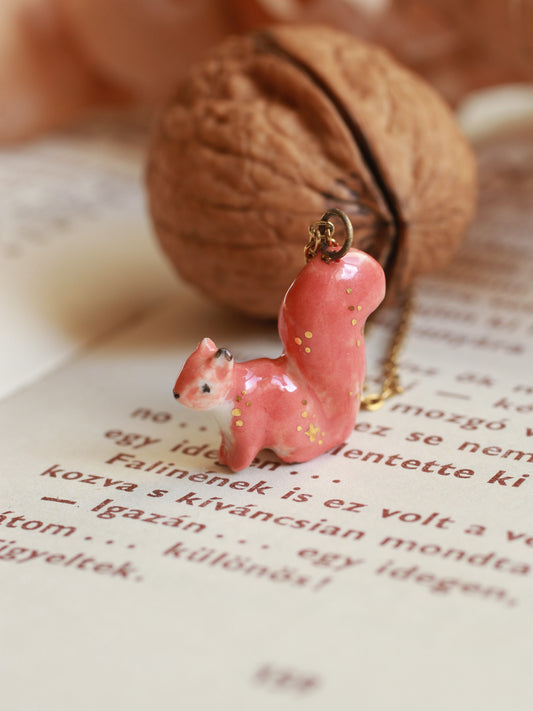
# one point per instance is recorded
(272, 129)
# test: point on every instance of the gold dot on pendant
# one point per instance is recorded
(298, 341)
(248, 404)
(308, 334)
(304, 413)
(354, 321)
(351, 308)
(311, 432)
(319, 441)
(239, 423)
(243, 392)
(359, 308)
(358, 342)
(348, 291)
(236, 412)
(238, 398)
(304, 402)
(308, 350)
(299, 428)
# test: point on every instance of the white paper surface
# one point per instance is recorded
(76, 256)
(393, 572)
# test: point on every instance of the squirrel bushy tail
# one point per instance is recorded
(321, 323)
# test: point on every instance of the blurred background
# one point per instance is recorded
(60, 59)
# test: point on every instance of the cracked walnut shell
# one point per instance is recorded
(274, 128)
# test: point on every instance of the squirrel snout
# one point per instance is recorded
(176, 395)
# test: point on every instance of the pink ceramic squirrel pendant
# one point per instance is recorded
(306, 401)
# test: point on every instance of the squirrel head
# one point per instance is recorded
(205, 378)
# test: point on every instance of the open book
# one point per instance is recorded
(137, 573)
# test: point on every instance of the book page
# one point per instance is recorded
(74, 239)
(392, 572)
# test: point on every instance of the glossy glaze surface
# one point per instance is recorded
(306, 401)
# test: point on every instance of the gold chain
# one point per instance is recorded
(320, 238)
(391, 379)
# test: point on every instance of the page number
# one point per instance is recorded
(276, 678)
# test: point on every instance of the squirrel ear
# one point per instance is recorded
(223, 352)
(207, 346)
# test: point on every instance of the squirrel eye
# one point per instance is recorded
(206, 388)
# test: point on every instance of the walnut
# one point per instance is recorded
(275, 127)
